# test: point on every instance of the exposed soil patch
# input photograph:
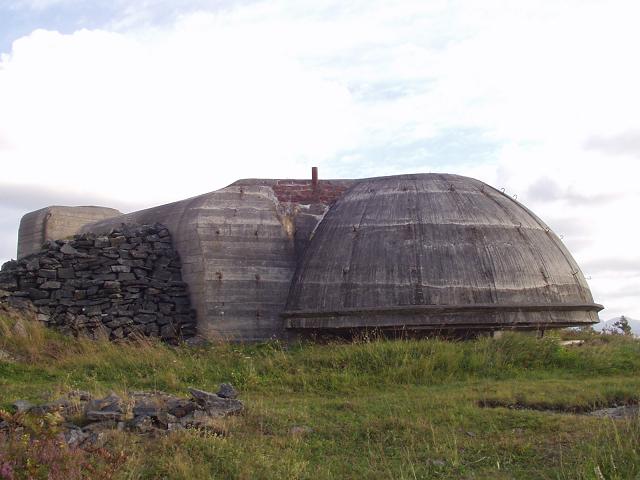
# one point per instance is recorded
(614, 410)
(625, 411)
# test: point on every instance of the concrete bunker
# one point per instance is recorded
(435, 252)
(263, 258)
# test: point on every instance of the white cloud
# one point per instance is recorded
(153, 114)
(37, 4)
(186, 111)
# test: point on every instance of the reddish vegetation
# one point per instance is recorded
(35, 449)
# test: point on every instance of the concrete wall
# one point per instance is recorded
(435, 251)
(53, 223)
(240, 247)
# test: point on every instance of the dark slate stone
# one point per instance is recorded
(116, 241)
(180, 407)
(66, 273)
(90, 287)
(215, 405)
(168, 331)
(33, 264)
(227, 390)
(67, 249)
(120, 268)
(79, 294)
(37, 294)
(45, 273)
(146, 408)
(166, 308)
(44, 301)
(109, 277)
(117, 333)
(8, 283)
(101, 242)
(144, 318)
(92, 310)
(136, 254)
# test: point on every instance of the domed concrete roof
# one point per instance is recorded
(435, 251)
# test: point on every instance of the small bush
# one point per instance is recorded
(33, 448)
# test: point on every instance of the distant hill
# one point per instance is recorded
(609, 324)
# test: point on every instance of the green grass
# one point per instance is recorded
(377, 409)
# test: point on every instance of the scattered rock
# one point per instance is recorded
(22, 406)
(199, 419)
(165, 419)
(61, 405)
(74, 436)
(146, 409)
(180, 407)
(102, 416)
(109, 408)
(80, 395)
(202, 397)
(227, 391)
(153, 413)
(142, 424)
(214, 405)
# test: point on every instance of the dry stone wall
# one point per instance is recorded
(119, 284)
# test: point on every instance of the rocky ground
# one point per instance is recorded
(84, 420)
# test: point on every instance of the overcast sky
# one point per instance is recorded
(131, 104)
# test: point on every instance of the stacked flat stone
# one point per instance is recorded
(85, 419)
(126, 282)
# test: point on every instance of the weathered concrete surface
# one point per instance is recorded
(303, 203)
(54, 223)
(238, 250)
(435, 251)
(411, 251)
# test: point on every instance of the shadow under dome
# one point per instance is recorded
(435, 251)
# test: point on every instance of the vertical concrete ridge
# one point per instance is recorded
(238, 256)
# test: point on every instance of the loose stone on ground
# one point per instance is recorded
(85, 420)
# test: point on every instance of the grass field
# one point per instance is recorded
(403, 409)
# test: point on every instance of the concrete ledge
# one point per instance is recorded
(417, 317)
